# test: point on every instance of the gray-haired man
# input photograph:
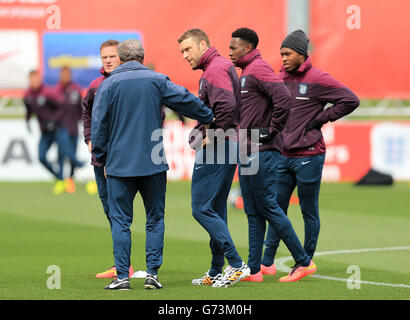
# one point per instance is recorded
(126, 113)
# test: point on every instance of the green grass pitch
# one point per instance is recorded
(38, 230)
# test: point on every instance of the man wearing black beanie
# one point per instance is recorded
(303, 147)
(297, 41)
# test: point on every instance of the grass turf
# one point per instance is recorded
(38, 229)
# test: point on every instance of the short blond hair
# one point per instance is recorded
(197, 34)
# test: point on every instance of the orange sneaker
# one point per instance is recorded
(298, 272)
(271, 270)
(239, 203)
(112, 273)
(257, 277)
(294, 199)
(69, 185)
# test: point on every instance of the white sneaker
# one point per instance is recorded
(206, 279)
(232, 275)
(119, 284)
(152, 282)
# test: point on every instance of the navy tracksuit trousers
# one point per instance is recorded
(66, 148)
(46, 140)
(260, 204)
(305, 173)
(121, 194)
(211, 182)
(101, 182)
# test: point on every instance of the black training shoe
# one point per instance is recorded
(152, 282)
(119, 284)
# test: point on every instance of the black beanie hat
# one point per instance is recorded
(297, 41)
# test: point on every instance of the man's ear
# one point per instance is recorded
(203, 46)
(249, 47)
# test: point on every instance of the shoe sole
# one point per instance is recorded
(119, 289)
(151, 287)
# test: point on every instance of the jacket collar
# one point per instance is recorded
(305, 66)
(129, 65)
(206, 58)
(61, 86)
(105, 74)
(248, 58)
(41, 88)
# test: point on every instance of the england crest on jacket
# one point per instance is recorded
(243, 81)
(41, 100)
(303, 88)
(74, 97)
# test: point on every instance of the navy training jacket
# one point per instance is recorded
(126, 119)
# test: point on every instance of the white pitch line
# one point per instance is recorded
(280, 265)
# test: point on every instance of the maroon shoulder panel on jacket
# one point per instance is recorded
(218, 73)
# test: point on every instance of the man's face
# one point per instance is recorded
(109, 58)
(65, 75)
(238, 48)
(34, 81)
(291, 59)
(192, 51)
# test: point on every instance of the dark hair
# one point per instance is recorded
(248, 35)
(109, 43)
(34, 71)
(65, 67)
(197, 34)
